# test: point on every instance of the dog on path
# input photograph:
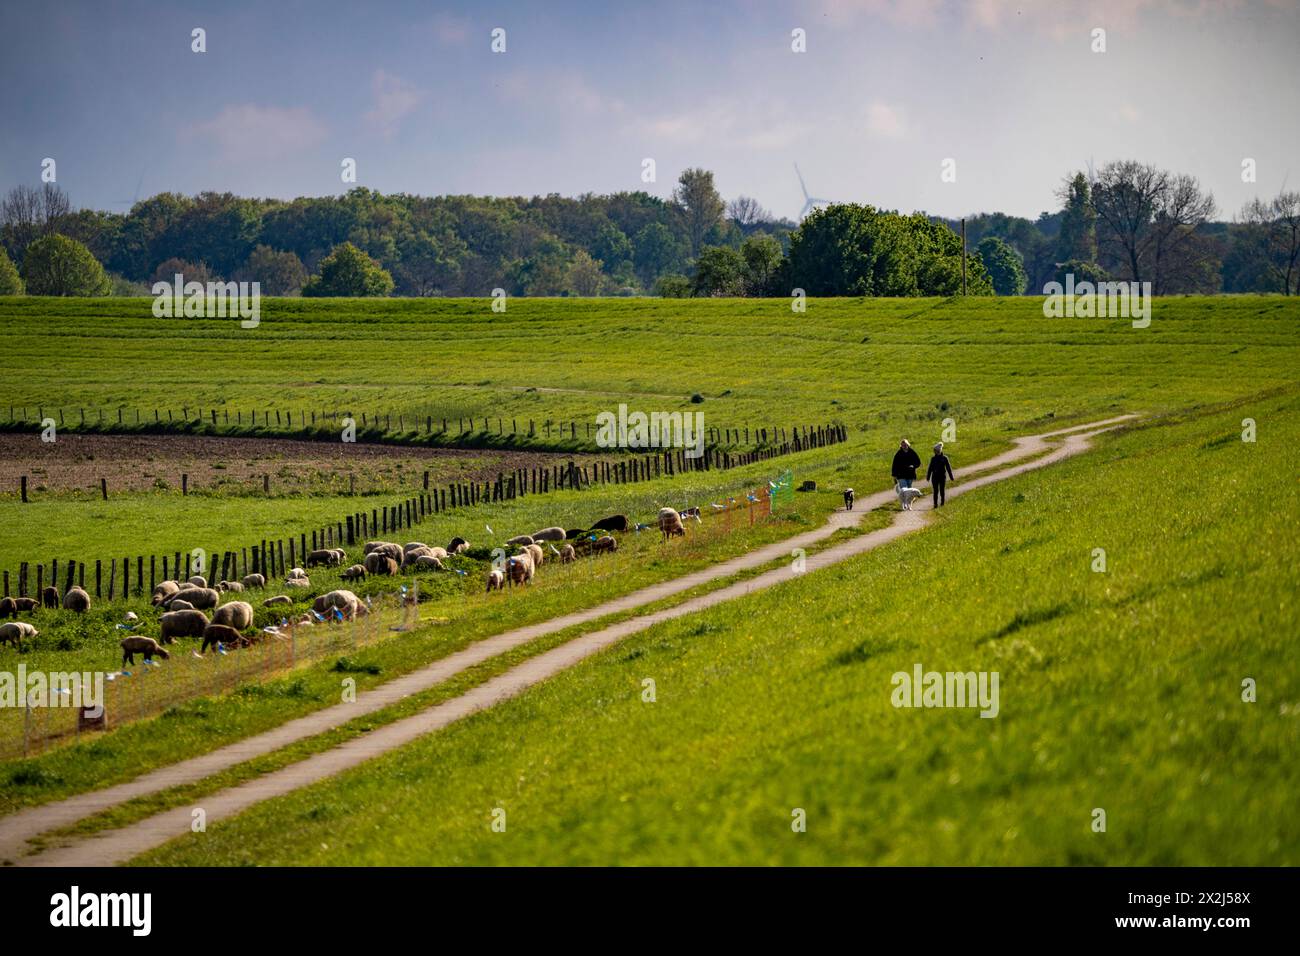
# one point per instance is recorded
(906, 496)
(848, 499)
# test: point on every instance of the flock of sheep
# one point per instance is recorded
(183, 603)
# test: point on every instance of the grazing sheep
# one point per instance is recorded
(24, 604)
(76, 600)
(574, 533)
(345, 601)
(393, 551)
(180, 606)
(215, 635)
(326, 556)
(49, 597)
(199, 597)
(427, 562)
(520, 540)
(297, 582)
(410, 557)
(496, 579)
(14, 632)
(253, 581)
(377, 562)
(187, 623)
(297, 573)
(414, 546)
(605, 543)
(198, 581)
(278, 599)
(520, 568)
(670, 523)
(138, 644)
(372, 545)
(538, 554)
(549, 534)
(457, 545)
(163, 590)
(612, 523)
(238, 614)
(355, 573)
(567, 554)
(8, 607)
(231, 586)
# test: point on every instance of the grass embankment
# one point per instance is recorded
(1120, 690)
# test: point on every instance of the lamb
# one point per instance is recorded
(377, 562)
(277, 600)
(605, 543)
(49, 597)
(231, 586)
(538, 555)
(567, 554)
(549, 534)
(496, 580)
(457, 546)
(139, 644)
(326, 556)
(198, 581)
(14, 632)
(520, 540)
(345, 601)
(238, 614)
(427, 562)
(199, 597)
(76, 600)
(163, 590)
(670, 523)
(411, 557)
(612, 523)
(297, 573)
(187, 623)
(520, 568)
(342, 555)
(215, 635)
(355, 573)
(253, 581)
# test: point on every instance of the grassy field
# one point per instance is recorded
(1120, 690)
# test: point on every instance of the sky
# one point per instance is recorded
(1013, 93)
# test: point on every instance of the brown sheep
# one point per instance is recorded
(549, 534)
(49, 597)
(537, 553)
(520, 568)
(237, 614)
(76, 600)
(176, 624)
(612, 523)
(567, 554)
(326, 556)
(199, 597)
(233, 587)
(163, 590)
(393, 551)
(14, 631)
(8, 607)
(180, 606)
(414, 546)
(253, 581)
(520, 540)
(670, 523)
(496, 580)
(374, 545)
(139, 644)
(380, 563)
(24, 604)
(278, 599)
(605, 543)
(214, 635)
(355, 573)
(457, 545)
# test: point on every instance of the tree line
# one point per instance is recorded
(1131, 222)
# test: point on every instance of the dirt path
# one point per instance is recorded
(120, 845)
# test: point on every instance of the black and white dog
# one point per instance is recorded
(848, 499)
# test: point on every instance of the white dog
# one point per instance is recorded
(906, 496)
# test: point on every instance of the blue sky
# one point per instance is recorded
(887, 90)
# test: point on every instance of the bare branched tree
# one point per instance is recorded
(746, 211)
(1275, 227)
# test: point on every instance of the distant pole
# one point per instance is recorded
(963, 256)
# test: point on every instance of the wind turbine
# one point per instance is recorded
(810, 202)
(131, 204)
(1092, 174)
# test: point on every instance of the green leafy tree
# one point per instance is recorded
(57, 265)
(657, 252)
(585, 276)
(673, 287)
(762, 255)
(1078, 236)
(702, 204)
(719, 271)
(851, 249)
(11, 283)
(1082, 272)
(275, 272)
(1003, 266)
(347, 271)
(188, 271)
(612, 247)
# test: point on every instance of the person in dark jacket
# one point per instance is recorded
(906, 461)
(938, 472)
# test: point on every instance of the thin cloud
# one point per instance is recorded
(248, 131)
(392, 99)
(886, 122)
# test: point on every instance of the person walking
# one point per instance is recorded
(937, 473)
(906, 461)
